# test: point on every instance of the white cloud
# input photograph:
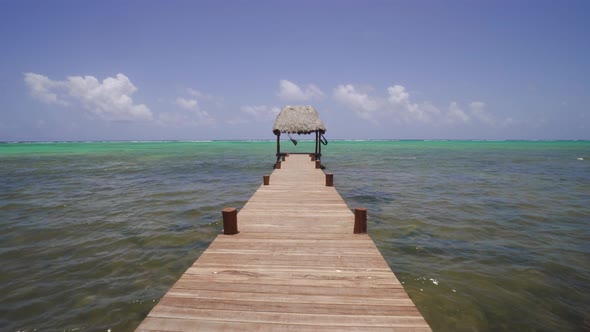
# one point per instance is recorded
(195, 93)
(216, 101)
(191, 115)
(40, 87)
(203, 118)
(398, 94)
(399, 107)
(261, 112)
(200, 95)
(290, 91)
(475, 113)
(456, 114)
(108, 100)
(360, 102)
(478, 112)
(188, 104)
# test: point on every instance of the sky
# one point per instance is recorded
(216, 70)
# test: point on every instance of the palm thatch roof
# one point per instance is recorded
(298, 120)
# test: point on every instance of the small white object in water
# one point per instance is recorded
(421, 290)
(434, 281)
(454, 291)
(109, 330)
(580, 158)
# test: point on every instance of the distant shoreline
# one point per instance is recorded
(303, 140)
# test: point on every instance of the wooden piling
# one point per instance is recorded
(230, 220)
(329, 180)
(360, 220)
(318, 164)
(278, 165)
(266, 180)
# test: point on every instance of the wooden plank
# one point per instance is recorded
(165, 311)
(291, 307)
(168, 324)
(294, 266)
(291, 298)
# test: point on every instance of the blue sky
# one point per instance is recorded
(157, 70)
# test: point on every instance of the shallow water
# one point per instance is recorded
(485, 236)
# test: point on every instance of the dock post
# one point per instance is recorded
(278, 165)
(312, 157)
(283, 158)
(360, 221)
(230, 220)
(329, 180)
(266, 179)
(318, 164)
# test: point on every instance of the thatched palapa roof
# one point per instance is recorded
(298, 120)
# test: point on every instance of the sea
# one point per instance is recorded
(484, 235)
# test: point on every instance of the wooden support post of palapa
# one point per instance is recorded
(360, 220)
(329, 180)
(230, 220)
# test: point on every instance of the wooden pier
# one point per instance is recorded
(295, 265)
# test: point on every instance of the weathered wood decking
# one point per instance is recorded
(295, 266)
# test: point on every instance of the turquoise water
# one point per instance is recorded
(485, 236)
